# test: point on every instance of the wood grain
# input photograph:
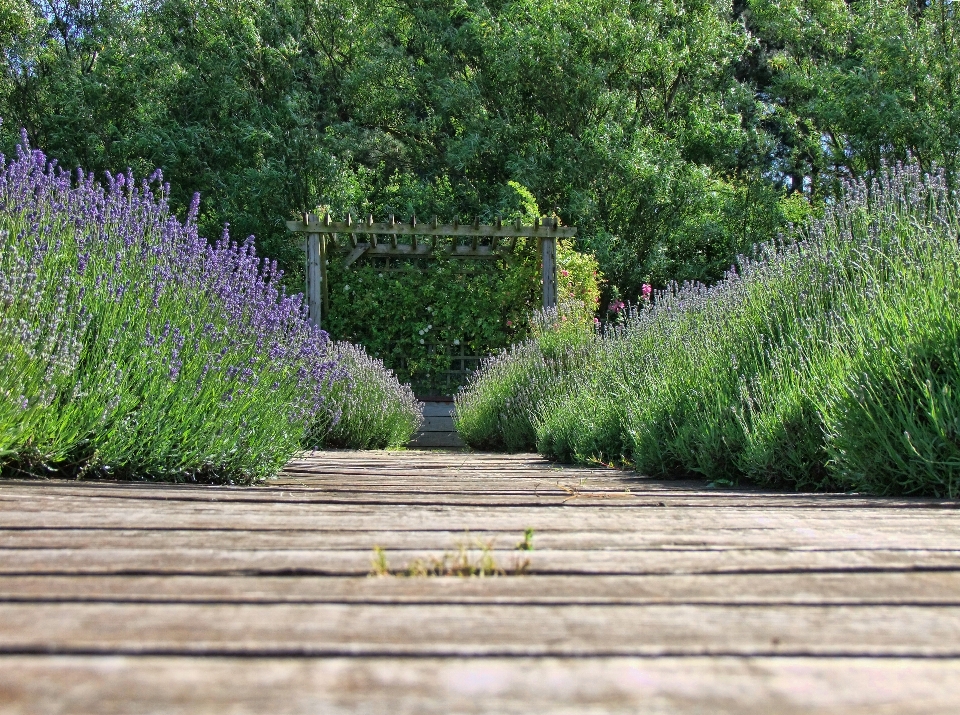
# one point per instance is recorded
(663, 535)
(319, 562)
(115, 685)
(641, 595)
(472, 630)
(314, 223)
(805, 588)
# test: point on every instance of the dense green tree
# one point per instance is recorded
(853, 84)
(674, 133)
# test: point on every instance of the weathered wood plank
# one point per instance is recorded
(431, 686)
(548, 271)
(436, 438)
(434, 479)
(314, 224)
(314, 278)
(433, 408)
(317, 485)
(455, 630)
(326, 244)
(364, 525)
(795, 535)
(217, 560)
(570, 493)
(437, 423)
(552, 511)
(422, 249)
(850, 588)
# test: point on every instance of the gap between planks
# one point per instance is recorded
(339, 564)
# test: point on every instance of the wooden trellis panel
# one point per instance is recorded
(445, 382)
(457, 240)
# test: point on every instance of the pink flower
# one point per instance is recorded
(509, 323)
(616, 306)
(647, 290)
(564, 273)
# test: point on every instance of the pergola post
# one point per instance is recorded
(326, 243)
(548, 271)
(314, 287)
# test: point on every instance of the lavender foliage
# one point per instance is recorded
(827, 360)
(371, 410)
(498, 407)
(131, 345)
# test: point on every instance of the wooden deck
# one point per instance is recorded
(640, 595)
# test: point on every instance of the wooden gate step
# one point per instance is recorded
(437, 429)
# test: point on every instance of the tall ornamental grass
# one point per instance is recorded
(828, 360)
(131, 346)
(371, 410)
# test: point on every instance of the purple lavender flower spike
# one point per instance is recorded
(167, 324)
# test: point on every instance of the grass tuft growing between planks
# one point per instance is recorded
(828, 360)
(470, 559)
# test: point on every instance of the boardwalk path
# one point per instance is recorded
(642, 596)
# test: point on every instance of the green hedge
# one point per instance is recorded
(413, 314)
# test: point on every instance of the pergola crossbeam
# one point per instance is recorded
(318, 246)
(547, 229)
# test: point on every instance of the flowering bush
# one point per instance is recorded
(578, 280)
(130, 346)
(498, 407)
(827, 360)
(371, 410)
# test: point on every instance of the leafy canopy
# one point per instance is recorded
(672, 132)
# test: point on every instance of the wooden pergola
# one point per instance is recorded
(412, 239)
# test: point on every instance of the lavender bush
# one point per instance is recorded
(497, 408)
(130, 346)
(828, 360)
(370, 411)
